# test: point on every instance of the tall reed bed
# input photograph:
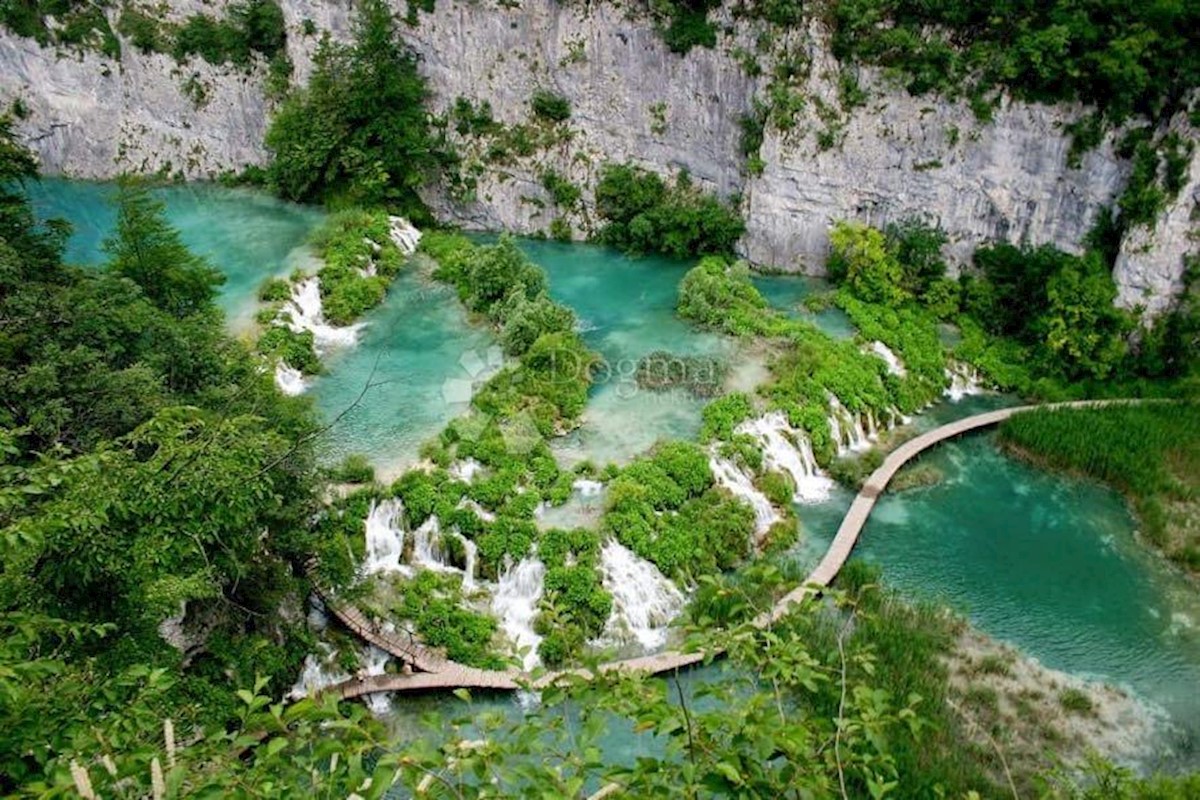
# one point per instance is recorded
(1150, 452)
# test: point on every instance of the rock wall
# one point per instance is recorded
(631, 99)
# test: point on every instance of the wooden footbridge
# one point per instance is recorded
(435, 672)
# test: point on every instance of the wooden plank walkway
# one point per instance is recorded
(439, 673)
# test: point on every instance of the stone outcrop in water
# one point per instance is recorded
(632, 99)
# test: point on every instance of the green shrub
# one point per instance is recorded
(274, 290)
(294, 349)
(644, 214)
(352, 244)
(358, 132)
(355, 468)
(564, 193)
(550, 106)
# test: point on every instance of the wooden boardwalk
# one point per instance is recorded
(439, 673)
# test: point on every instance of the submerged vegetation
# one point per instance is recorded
(1150, 452)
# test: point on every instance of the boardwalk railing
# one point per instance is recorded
(437, 672)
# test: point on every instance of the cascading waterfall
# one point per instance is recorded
(385, 537)
(465, 470)
(289, 379)
(319, 672)
(588, 488)
(788, 450)
(894, 365)
(846, 428)
(403, 234)
(427, 548)
(374, 662)
(964, 380)
(739, 484)
(471, 561)
(515, 605)
(644, 600)
(304, 312)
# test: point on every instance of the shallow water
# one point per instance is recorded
(404, 380)
(1043, 561)
(626, 309)
(246, 234)
(788, 292)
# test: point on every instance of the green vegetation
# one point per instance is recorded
(685, 24)
(644, 214)
(148, 252)
(550, 106)
(435, 605)
(358, 134)
(809, 365)
(1122, 59)
(1150, 452)
(293, 348)
(666, 508)
(355, 468)
(249, 32)
(360, 260)
(564, 193)
(64, 23)
(255, 27)
(575, 604)
(149, 470)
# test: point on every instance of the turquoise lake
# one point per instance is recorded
(1045, 562)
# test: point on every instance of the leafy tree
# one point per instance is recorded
(646, 215)
(859, 257)
(148, 251)
(1083, 334)
(358, 133)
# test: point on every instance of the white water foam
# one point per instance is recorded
(465, 470)
(788, 450)
(739, 484)
(894, 365)
(385, 538)
(588, 488)
(403, 234)
(289, 379)
(964, 380)
(644, 600)
(846, 428)
(319, 672)
(304, 312)
(515, 605)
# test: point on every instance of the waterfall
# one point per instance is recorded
(374, 662)
(740, 485)
(644, 600)
(304, 313)
(289, 379)
(788, 450)
(403, 234)
(480, 511)
(894, 365)
(472, 559)
(515, 604)
(964, 380)
(588, 488)
(385, 537)
(319, 672)
(427, 549)
(465, 470)
(847, 429)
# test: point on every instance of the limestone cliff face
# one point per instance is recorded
(631, 99)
